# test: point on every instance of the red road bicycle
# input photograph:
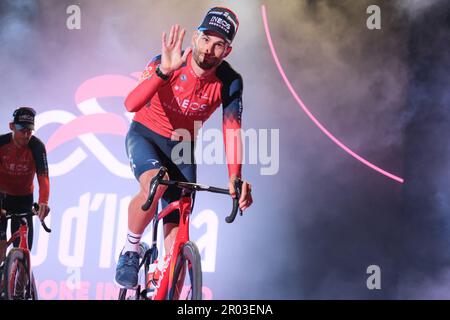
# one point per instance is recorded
(16, 279)
(184, 257)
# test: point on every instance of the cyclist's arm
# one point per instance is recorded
(40, 159)
(5, 139)
(148, 85)
(232, 112)
(44, 188)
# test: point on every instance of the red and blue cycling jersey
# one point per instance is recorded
(167, 106)
(18, 165)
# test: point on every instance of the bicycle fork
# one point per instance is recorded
(23, 245)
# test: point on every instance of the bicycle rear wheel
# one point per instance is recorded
(16, 278)
(190, 287)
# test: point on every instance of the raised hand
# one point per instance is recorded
(171, 58)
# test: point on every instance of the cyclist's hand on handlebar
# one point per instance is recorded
(44, 210)
(246, 199)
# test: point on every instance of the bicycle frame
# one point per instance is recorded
(184, 205)
(22, 233)
(161, 288)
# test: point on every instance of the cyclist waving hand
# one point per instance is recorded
(177, 90)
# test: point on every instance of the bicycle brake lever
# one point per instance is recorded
(237, 188)
(154, 183)
(36, 210)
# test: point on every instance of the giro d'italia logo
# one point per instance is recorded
(90, 120)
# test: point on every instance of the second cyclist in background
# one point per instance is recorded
(22, 157)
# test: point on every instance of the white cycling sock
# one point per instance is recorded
(132, 243)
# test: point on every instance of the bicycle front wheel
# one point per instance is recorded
(124, 294)
(34, 292)
(16, 279)
(190, 287)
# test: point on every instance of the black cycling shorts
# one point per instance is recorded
(148, 150)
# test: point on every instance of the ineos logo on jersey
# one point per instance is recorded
(186, 104)
(198, 107)
(18, 169)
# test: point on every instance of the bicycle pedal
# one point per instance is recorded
(149, 293)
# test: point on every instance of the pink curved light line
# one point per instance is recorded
(310, 115)
(109, 85)
(109, 123)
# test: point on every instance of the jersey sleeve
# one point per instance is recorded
(4, 140)
(146, 88)
(40, 160)
(232, 113)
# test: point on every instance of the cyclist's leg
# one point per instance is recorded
(182, 172)
(20, 204)
(3, 227)
(145, 163)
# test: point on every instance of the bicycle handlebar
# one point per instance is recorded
(158, 179)
(34, 211)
